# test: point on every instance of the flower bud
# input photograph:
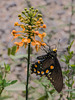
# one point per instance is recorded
(39, 15)
(32, 7)
(25, 9)
(36, 10)
(23, 12)
(19, 15)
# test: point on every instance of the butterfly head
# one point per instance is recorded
(55, 50)
(52, 52)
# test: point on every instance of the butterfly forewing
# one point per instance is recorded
(42, 57)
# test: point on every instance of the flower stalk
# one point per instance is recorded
(28, 71)
(29, 33)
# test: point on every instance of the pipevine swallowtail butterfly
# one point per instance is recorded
(49, 66)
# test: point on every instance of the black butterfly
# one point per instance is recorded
(49, 66)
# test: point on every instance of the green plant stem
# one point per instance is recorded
(28, 71)
(71, 86)
(1, 91)
(68, 81)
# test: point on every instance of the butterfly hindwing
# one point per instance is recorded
(36, 68)
(55, 75)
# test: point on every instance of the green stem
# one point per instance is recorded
(68, 82)
(71, 86)
(28, 71)
(1, 91)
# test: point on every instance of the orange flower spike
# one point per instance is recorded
(22, 26)
(16, 24)
(38, 45)
(33, 43)
(25, 45)
(26, 41)
(40, 19)
(23, 29)
(15, 36)
(17, 48)
(14, 32)
(29, 27)
(43, 44)
(30, 30)
(18, 44)
(37, 48)
(42, 36)
(36, 32)
(44, 26)
(38, 22)
(29, 40)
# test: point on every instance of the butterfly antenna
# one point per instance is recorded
(44, 49)
(48, 47)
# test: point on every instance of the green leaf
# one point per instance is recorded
(73, 95)
(66, 57)
(19, 56)
(13, 82)
(42, 98)
(72, 83)
(52, 91)
(70, 90)
(1, 82)
(69, 47)
(71, 52)
(49, 95)
(66, 72)
(13, 51)
(9, 51)
(68, 98)
(16, 87)
(4, 83)
(73, 66)
(68, 84)
(63, 60)
(9, 83)
(1, 75)
(7, 68)
(6, 98)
